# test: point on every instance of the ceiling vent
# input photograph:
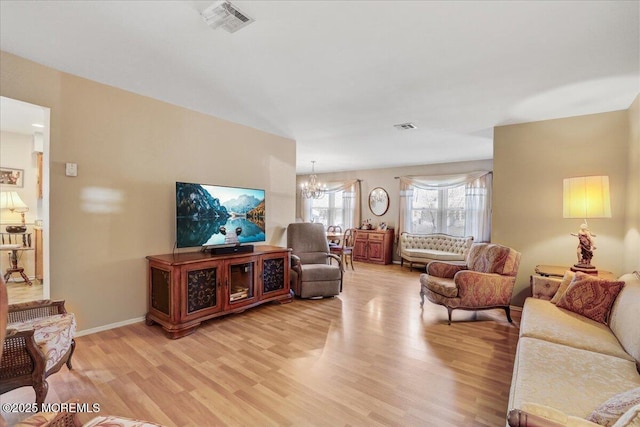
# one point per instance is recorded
(405, 126)
(222, 14)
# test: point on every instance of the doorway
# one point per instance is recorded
(24, 156)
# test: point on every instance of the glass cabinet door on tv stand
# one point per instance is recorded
(241, 279)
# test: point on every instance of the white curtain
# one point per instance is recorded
(350, 198)
(477, 200)
(478, 208)
(406, 196)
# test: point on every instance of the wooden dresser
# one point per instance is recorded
(373, 246)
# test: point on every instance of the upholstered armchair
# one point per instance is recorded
(39, 340)
(312, 272)
(485, 282)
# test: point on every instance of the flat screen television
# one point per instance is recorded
(213, 215)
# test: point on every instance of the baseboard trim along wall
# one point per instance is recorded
(515, 308)
(109, 326)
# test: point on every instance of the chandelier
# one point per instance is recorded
(313, 189)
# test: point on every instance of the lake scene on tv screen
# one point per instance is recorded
(210, 215)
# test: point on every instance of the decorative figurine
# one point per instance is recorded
(586, 246)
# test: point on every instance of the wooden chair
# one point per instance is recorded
(345, 250)
(39, 340)
(334, 229)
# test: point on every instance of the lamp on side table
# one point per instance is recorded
(11, 201)
(586, 197)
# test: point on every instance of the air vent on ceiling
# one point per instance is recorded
(405, 126)
(222, 14)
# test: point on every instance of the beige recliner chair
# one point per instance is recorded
(312, 272)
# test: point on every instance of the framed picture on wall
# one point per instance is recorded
(11, 177)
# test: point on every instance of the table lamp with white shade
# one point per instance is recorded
(11, 201)
(586, 197)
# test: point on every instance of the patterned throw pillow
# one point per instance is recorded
(631, 418)
(590, 296)
(608, 413)
(566, 281)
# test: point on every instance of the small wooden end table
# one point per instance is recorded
(559, 270)
(13, 258)
(546, 281)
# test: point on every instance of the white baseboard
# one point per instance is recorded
(109, 326)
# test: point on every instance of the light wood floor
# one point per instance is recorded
(370, 357)
(21, 292)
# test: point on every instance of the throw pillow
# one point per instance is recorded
(631, 418)
(573, 421)
(566, 281)
(590, 296)
(608, 413)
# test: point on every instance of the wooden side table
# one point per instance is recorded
(559, 270)
(15, 243)
(544, 287)
(545, 283)
(13, 258)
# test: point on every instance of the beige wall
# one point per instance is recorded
(385, 178)
(530, 162)
(130, 151)
(632, 228)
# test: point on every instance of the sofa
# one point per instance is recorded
(424, 248)
(578, 361)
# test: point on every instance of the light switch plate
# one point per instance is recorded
(71, 169)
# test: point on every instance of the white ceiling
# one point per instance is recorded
(337, 75)
(20, 117)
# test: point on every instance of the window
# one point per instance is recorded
(438, 211)
(459, 205)
(329, 210)
(339, 206)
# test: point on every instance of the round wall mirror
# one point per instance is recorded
(378, 201)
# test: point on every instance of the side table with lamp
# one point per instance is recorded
(584, 197)
(16, 239)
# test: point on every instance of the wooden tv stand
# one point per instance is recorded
(188, 288)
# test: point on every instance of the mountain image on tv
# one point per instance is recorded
(208, 215)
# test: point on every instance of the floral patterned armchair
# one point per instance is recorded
(39, 340)
(485, 282)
